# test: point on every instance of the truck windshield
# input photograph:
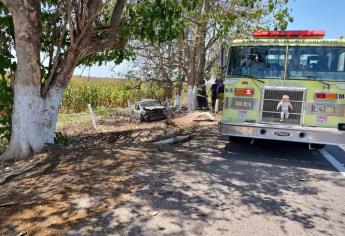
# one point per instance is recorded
(304, 62)
(317, 63)
(257, 61)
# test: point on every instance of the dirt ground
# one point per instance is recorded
(62, 187)
(116, 182)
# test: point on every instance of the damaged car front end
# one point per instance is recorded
(150, 110)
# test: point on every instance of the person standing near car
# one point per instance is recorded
(202, 95)
(214, 94)
(220, 94)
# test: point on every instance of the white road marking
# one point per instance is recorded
(333, 161)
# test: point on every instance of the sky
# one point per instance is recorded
(328, 15)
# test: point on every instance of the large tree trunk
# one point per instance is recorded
(34, 117)
(191, 79)
(35, 109)
(198, 56)
(201, 47)
(50, 112)
(33, 121)
(190, 105)
(26, 133)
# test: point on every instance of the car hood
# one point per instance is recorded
(154, 108)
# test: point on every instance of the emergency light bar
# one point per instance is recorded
(244, 92)
(290, 34)
(326, 96)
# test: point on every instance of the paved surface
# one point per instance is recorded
(208, 186)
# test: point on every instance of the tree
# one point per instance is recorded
(157, 64)
(210, 24)
(69, 33)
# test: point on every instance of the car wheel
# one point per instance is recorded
(141, 119)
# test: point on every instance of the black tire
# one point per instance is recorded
(141, 119)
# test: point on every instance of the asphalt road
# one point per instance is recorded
(209, 186)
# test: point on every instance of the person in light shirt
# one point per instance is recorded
(284, 105)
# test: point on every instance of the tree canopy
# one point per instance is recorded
(42, 41)
(45, 40)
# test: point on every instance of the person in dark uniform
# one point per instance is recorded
(202, 95)
(220, 94)
(214, 94)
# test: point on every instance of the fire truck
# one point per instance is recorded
(285, 85)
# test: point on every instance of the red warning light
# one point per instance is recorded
(244, 91)
(327, 96)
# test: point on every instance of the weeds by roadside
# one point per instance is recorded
(3, 144)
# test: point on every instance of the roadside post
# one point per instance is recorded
(92, 116)
(129, 110)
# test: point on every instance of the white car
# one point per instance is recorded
(149, 109)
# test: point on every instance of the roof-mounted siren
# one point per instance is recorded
(290, 34)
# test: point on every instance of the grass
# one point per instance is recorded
(82, 117)
(65, 119)
(3, 144)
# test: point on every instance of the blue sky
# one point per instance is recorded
(328, 15)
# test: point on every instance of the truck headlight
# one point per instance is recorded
(323, 108)
(238, 103)
(247, 105)
(242, 104)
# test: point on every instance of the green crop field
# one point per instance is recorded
(110, 93)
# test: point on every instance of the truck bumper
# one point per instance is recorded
(283, 132)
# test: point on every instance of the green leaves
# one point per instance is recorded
(282, 19)
(157, 21)
(115, 55)
(61, 138)
(6, 101)
(7, 66)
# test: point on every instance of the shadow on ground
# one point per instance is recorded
(190, 189)
(142, 189)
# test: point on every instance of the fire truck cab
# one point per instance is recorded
(285, 85)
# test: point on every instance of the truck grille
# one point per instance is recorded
(271, 98)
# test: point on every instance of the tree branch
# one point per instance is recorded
(10, 3)
(69, 20)
(211, 42)
(56, 62)
(116, 16)
(86, 30)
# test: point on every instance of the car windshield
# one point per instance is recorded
(304, 62)
(257, 61)
(316, 62)
(150, 103)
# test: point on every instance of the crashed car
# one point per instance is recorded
(149, 110)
